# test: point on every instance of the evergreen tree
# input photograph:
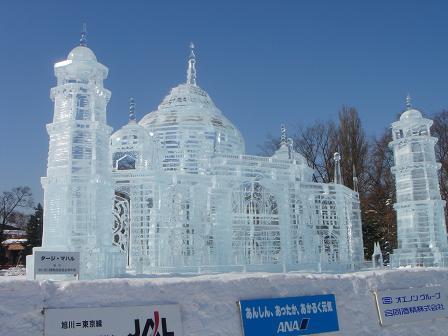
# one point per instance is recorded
(34, 229)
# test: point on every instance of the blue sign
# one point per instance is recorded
(301, 315)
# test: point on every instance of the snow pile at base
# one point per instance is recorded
(208, 302)
(14, 271)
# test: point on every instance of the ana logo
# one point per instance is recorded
(154, 325)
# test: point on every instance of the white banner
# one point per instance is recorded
(157, 320)
(57, 262)
(409, 305)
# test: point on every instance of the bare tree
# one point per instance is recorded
(379, 218)
(10, 202)
(440, 131)
(317, 143)
(353, 147)
(269, 146)
(13, 200)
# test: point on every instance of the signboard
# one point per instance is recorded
(158, 320)
(302, 315)
(57, 262)
(412, 304)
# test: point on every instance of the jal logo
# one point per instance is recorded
(151, 327)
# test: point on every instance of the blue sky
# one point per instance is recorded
(263, 62)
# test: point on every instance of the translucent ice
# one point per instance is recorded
(176, 192)
(422, 239)
(189, 200)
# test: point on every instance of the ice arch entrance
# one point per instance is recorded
(256, 232)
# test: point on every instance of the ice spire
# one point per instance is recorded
(337, 168)
(408, 102)
(131, 110)
(355, 180)
(283, 139)
(377, 256)
(83, 39)
(191, 72)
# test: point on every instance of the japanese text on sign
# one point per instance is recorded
(47, 262)
(160, 320)
(413, 304)
(289, 316)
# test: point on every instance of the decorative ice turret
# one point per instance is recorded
(377, 256)
(78, 194)
(337, 168)
(422, 239)
(132, 147)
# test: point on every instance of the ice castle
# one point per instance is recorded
(422, 239)
(175, 192)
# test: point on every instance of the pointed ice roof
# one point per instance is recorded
(191, 71)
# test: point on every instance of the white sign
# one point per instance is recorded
(47, 262)
(157, 320)
(409, 305)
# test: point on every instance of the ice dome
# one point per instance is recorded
(410, 113)
(189, 109)
(81, 53)
(191, 128)
(130, 144)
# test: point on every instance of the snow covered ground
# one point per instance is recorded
(208, 302)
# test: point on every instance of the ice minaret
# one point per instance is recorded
(337, 168)
(191, 71)
(377, 256)
(422, 239)
(78, 194)
(283, 138)
(355, 180)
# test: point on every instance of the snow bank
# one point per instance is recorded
(208, 302)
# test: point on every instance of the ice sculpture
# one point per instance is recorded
(176, 191)
(422, 239)
(377, 256)
(78, 192)
(188, 199)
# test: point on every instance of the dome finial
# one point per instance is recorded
(83, 39)
(283, 139)
(337, 168)
(355, 180)
(131, 110)
(408, 102)
(191, 72)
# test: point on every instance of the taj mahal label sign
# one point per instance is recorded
(57, 262)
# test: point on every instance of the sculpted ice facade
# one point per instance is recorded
(422, 239)
(176, 192)
(188, 198)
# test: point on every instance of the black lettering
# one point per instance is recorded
(165, 330)
(304, 324)
(149, 323)
(137, 328)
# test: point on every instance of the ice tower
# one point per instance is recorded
(78, 194)
(422, 239)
